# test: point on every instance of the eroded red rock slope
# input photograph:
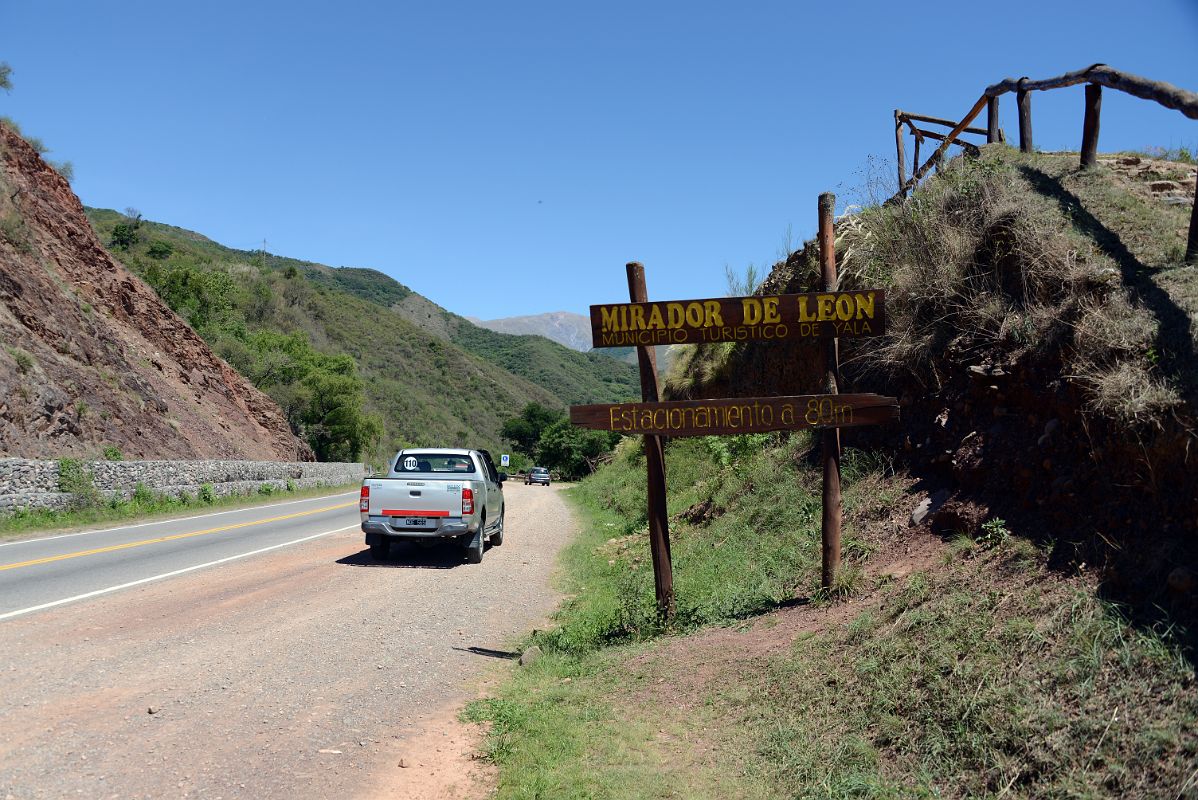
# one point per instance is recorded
(92, 357)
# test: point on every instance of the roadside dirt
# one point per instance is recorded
(705, 659)
(308, 673)
(439, 763)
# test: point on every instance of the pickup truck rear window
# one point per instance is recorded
(435, 462)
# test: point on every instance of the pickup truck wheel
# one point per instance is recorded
(475, 545)
(497, 536)
(379, 552)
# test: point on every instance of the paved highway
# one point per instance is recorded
(257, 653)
(45, 572)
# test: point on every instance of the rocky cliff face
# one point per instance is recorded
(92, 357)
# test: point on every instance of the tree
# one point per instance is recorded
(126, 234)
(5, 80)
(525, 430)
(573, 452)
(337, 428)
(160, 250)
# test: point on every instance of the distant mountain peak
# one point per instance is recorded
(564, 327)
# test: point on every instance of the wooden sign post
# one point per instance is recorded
(655, 463)
(828, 314)
(832, 511)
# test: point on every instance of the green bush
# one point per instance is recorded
(142, 496)
(113, 453)
(14, 231)
(124, 236)
(76, 480)
(207, 493)
(23, 359)
(160, 250)
(524, 431)
(572, 451)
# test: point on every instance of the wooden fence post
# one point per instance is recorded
(1192, 241)
(902, 156)
(918, 142)
(1090, 125)
(655, 463)
(830, 526)
(992, 132)
(1023, 99)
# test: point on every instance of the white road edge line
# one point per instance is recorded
(98, 592)
(171, 520)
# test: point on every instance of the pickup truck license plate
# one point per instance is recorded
(416, 521)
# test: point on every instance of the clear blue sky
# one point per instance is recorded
(509, 158)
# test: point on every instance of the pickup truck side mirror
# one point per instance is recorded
(502, 477)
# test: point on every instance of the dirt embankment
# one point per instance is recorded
(92, 357)
(1041, 336)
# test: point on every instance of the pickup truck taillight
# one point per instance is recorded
(467, 502)
(364, 500)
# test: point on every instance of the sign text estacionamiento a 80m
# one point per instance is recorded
(736, 319)
(737, 415)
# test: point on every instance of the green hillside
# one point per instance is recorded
(368, 284)
(272, 318)
(569, 375)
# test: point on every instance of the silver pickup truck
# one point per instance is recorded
(435, 494)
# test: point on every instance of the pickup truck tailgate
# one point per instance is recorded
(401, 497)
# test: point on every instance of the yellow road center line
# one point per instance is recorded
(171, 538)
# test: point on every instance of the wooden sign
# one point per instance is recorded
(739, 319)
(730, 416)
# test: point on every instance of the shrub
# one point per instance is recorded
(124, 235)
(23, 359)
(160, 250)
(76, 480)
(14, 231)
(65, 168)
(113, 453)
(266, 490)
(994, 532)
(207, 493)
(142, 495)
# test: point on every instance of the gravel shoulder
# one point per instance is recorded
(307, 672)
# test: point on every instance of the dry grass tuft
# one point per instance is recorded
(978, 266)
(993, 260)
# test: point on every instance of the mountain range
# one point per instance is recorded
(429, 376)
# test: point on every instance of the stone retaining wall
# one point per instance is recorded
(35, 484)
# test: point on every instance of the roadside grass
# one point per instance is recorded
(744, 537)
(984, 675)
(563, 727)
(955, 684)
(148, 506)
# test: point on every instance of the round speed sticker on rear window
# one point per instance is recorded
(409, 463)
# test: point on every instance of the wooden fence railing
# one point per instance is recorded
(1094, 77)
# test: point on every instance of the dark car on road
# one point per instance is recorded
(537, 475)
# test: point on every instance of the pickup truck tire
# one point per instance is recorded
(380, 552)
(475, 545)
(497, 536)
